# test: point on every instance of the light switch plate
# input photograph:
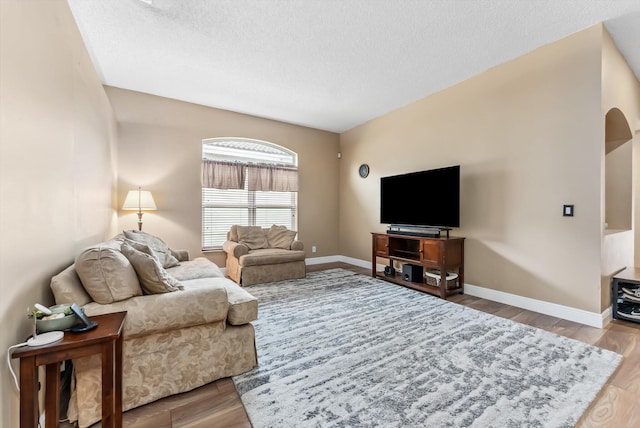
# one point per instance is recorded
(567, 210)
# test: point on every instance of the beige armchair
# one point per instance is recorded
(257, 255)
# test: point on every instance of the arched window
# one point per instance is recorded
(246, 182)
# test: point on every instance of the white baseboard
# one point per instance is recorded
(355, 262)
(343, 259)
(320, 260)
(568, 313)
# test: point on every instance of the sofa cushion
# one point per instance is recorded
(197, 304)
(280, 237)
(270, 256)
(157, 245)
(106, 274)
(67, 288)
(243, 306)
(200, 267)
(253, 237)
(153, 278)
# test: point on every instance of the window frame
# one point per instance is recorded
(270, 153)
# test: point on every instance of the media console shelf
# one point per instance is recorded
(625, 287)
(444, 255)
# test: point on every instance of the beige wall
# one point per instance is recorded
(618, 189)
(57, 163)
(528, 135)
(618, 148)
(160, 143)
(620, 90)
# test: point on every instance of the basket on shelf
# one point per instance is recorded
(432, 277)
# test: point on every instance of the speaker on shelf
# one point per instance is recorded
(412, 273)
(389, 271)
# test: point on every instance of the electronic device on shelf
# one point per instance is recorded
(412, 273)
(85, 323)
(45, 338)
(422, 203)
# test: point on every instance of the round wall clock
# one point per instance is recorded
(363, 171)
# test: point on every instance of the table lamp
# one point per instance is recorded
(139, 200)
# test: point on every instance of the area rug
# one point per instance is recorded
(339, 349)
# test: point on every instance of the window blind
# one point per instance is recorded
(226, 198)
(223, 208)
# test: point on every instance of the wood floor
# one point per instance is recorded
(617, 405)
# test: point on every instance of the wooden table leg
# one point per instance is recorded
(373, 256)
(28, 393)
(118, 382)
(52, 396)
(108, 350)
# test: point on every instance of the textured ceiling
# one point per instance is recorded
(327, 64)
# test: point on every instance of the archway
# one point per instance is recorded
(618, 172)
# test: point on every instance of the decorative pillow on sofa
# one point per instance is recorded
(232, 235)
(153, 278)
(280, 237)
(161, 250)
(140, 247)
(253, 237)
(106, 274)
(67, 287)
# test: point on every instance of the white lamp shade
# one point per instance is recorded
(139, 200)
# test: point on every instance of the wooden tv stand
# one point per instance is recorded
(445, 255)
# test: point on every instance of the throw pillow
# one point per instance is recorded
(232, 235)
(253, 237)
(153, 278)
(281, 237)
(140, 247)
(106, 274)
(67, 288)
(162, 251)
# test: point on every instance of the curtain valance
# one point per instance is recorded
(261, 177)
(222, 175)
(272, 178)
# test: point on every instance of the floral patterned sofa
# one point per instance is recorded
(187, 325)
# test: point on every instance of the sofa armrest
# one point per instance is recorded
(297, 245)
(154, 313)
(181, 255)
(235, 249)
(243, 307)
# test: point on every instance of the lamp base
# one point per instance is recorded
(140, 220)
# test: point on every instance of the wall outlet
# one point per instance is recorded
(313, 249)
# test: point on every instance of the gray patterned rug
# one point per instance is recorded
(338, 349)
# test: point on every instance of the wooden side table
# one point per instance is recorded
(106, 339)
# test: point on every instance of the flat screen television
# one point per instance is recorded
(423, 198)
